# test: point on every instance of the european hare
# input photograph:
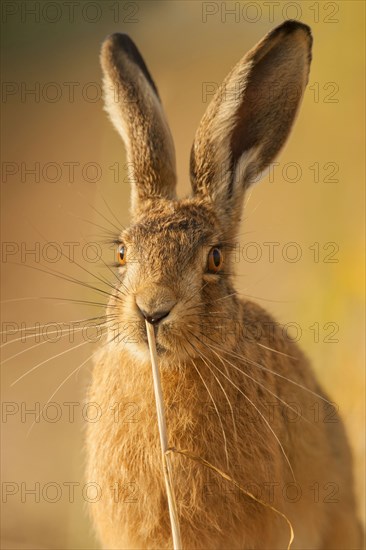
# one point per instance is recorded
(238, 392)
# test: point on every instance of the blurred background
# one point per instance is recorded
(64, 185)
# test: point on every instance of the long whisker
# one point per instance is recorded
(57, 389)
(194, 294)
(226, 297)
(100, 213)
(257, 382)
(263, 299)
(118, 279)
(57, 274)
(105, 218)
(216, 409)
(66, 333)
(26, 336)
(47, 361)
(109, 232)
(55, 298)
(111, 211)
(277, 351)
(89, 272)
(220, 317)
(259, 412)
(203, 357)
(245, 359)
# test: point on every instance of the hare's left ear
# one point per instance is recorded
(133, 104)
(250, 117)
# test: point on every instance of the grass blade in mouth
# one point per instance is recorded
(166, 463)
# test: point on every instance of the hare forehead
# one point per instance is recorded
(168, 238)
(175, 224)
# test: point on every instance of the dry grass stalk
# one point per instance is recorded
(167, 467)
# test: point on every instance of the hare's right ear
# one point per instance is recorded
(133, 104)
(250, 117)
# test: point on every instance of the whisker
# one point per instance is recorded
(263, 299)
(100, 213)
(194, 294)
(227, 296)
(61, 276)
(57, 389)
(77, 301)
(67, 323)
(109, 232)
(242, 358)
(220, 317)
(216, 409)
(111, 212)
(55, 298)
(203, 357)
(259, 412)
(257, 382)
(47, 361)
(277, 351)
(106, 282)
(47, 341)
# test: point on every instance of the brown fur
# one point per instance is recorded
(232, 380)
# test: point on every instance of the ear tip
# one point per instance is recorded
(116, 42)
(299, 31)
(291, 26)
(119, 49)
(110, 46)
(118, 39)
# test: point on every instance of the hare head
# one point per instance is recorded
(175, 261)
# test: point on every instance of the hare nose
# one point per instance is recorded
(155, 303)
(154, 317)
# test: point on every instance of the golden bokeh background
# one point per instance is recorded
(315, 196)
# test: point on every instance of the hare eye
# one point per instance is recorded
(121, 255)
(214, 260)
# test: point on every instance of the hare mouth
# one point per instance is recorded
(160, 348)
(167, 343)
(166, 339)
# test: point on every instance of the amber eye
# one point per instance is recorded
(215, 260)
(121, 254)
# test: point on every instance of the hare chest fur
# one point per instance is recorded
(238, 393)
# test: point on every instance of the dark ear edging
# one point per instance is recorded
(133, 104)
(250, 116)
